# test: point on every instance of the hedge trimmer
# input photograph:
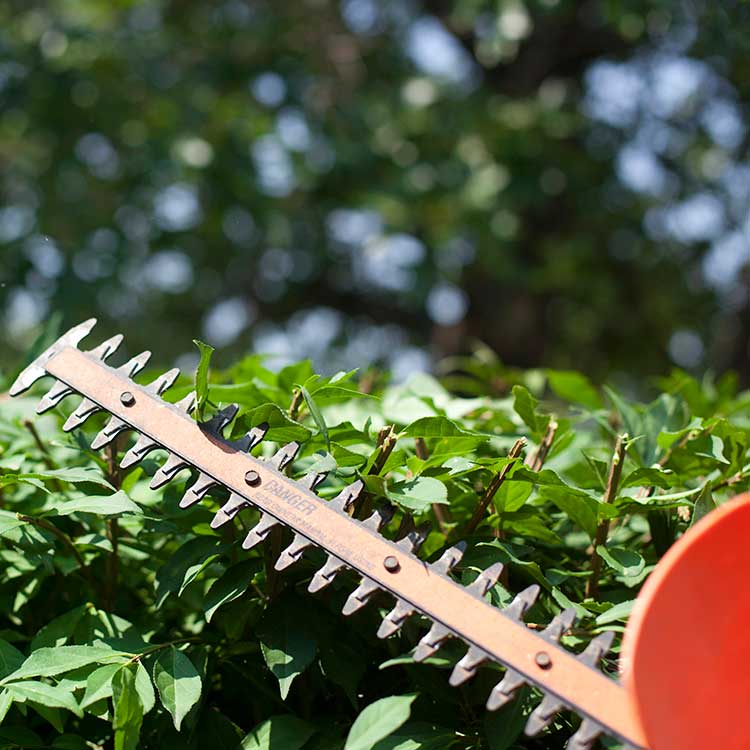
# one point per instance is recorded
(684, 683)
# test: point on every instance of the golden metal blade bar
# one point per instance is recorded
(587, 691)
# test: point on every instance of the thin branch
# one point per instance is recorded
(46, 457)
(536, 460)
(386, 442)
(732, 480)
(63, 537)
(420, 448)
(602, 530)
(493, 487)
(114, 476)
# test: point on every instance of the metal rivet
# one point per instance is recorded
(543, 660)
(391, 564)
(127, 398)
(252, 478)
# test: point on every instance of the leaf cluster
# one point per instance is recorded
(128, 622)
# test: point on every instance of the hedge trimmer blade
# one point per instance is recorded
(686, 641)
(679, 691)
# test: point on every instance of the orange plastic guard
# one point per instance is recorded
(686, 649)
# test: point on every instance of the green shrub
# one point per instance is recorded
(129, 622)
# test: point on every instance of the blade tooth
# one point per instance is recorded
(198, 490)
(436, 636)
(134, 365)
(54, 396)
(260, 531)
(37, 369)
(597, 649)
(360, 596)
(109, 432)
(85, 409)
(293, 552)
(559, 625)
(138, 452)
(522, 602)
(215, 426)
(395, 618)
(229, 510)
(379, 518)
(313, 479)
(250, 439)
(486, 579)
(449, 559)
(188, 403)
(107, 348)
(467, 667)
(257, 434)
(543, 714)
(586, 736)
(347, 496)
(326, 574)
(166, 473)
(284, 455)
(414, 539)
(163, 382)
(505, 691)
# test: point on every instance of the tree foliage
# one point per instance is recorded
(129, 622)
(565, 181)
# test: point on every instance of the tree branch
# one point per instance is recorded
(493, 487)
(602, 530)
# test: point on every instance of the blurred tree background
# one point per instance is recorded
(366, 181)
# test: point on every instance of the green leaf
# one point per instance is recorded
(439, 427)
(106, 505)
(525, 405)
(144, 687)
(71, 475)
(580, 507)
(171, 577)
(317, 415)
(708, 446)
(52, 696)
(343, 665)
(704, 504)
(618, 613)
(14, 737)
(504, 727)
(645, 477)
(232, 585)
(378, 720)
(6, 701)
(201, 378)
(626, 562)
(417, 495)
(281, 428)
(512, 496)
(288, 648)
(58, 631)
(417, 735)
(574, 387)
(178, 683)
(10, 658)
(47, 662)
(283, 732)
(99, 684)
(128, 710)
